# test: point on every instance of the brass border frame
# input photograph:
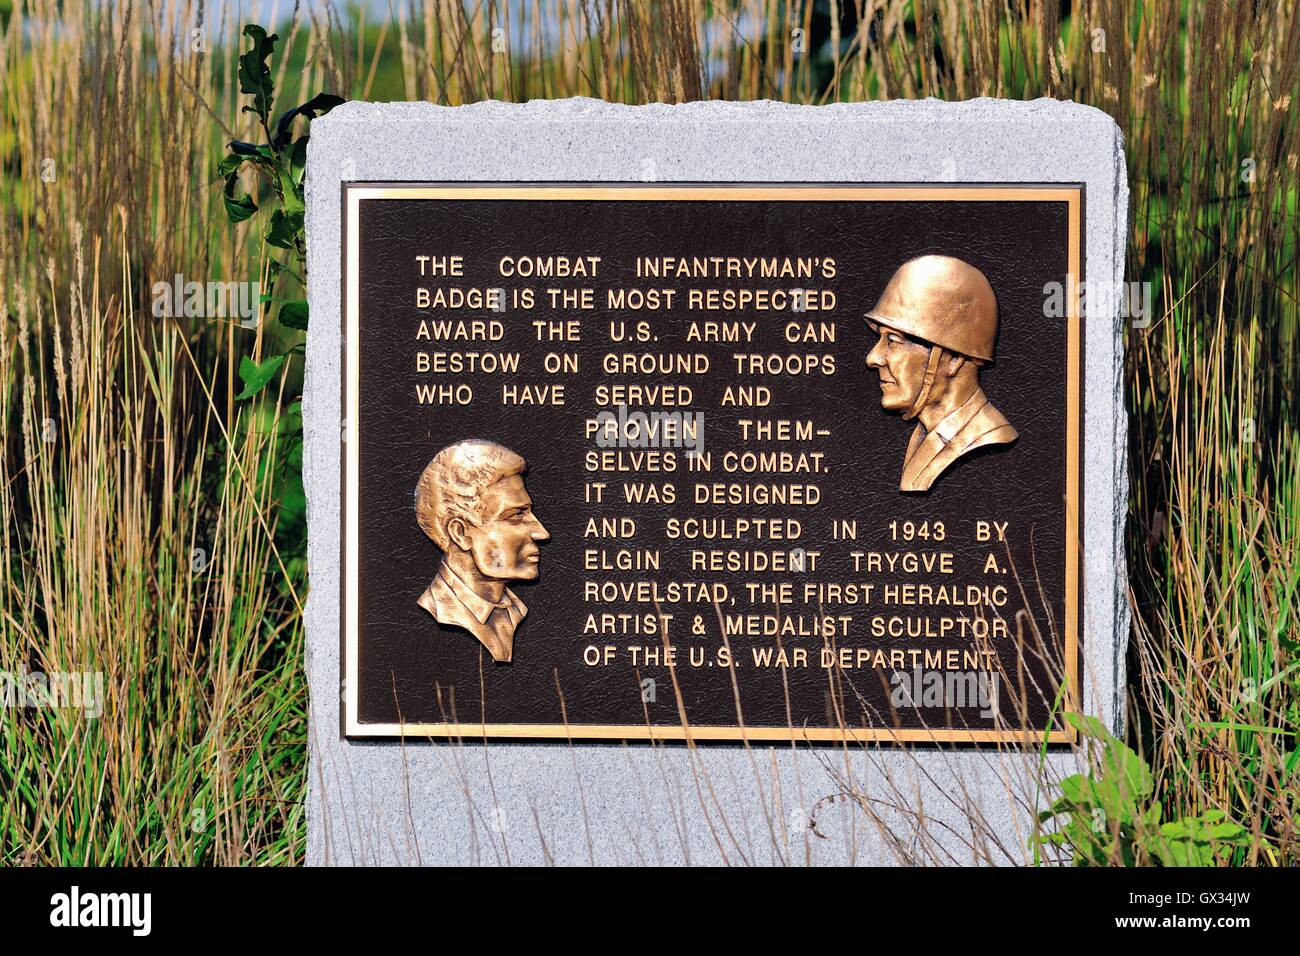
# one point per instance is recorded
(1072, 195)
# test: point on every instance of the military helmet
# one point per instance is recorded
(943, 301)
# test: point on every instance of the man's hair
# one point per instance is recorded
(452, 484)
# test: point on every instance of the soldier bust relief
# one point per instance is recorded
(472, 503)
(937, 321)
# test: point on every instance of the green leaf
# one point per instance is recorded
(273, 270)
(1088, 726)
(229, 165)
(255, 377)
(251, 151)
(1076, 788)
(1125, 782)
(284, 229)
(290, 193)
(298, 160)
(1152, 817)
(1249, 728)
(318, 105)
(254, 74)
(1195, 841)
(238, 206)
(241, 153)
(294, 314)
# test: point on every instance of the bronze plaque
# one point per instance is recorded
(712, 462)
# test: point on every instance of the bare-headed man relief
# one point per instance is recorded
(471, 501)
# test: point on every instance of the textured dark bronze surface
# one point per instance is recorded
(414, 669)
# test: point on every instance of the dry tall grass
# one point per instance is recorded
(112, 117)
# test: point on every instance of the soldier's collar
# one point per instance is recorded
(957, 419)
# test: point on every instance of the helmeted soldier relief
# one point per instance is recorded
(937, 321)
(471, 501)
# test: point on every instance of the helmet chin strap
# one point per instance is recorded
(927, 384)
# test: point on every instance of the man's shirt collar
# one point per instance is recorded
(480, 608)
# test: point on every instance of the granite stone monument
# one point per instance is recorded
(710, 483)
